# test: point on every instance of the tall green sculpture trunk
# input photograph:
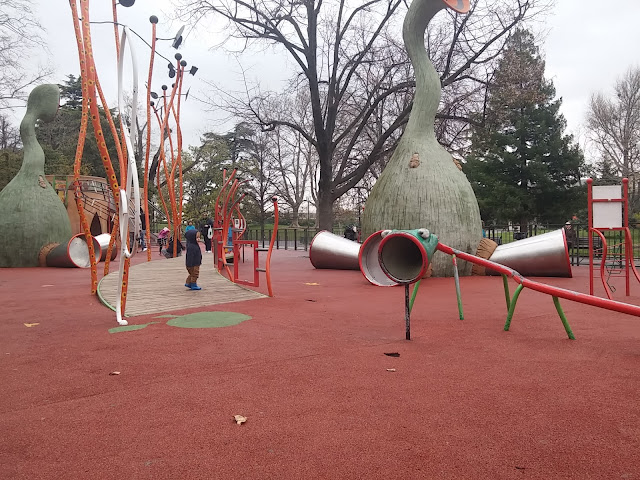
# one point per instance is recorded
(421, 186)
(31, 214)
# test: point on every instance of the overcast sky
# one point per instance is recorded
(589, 44)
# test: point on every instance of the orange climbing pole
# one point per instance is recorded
(147, 232)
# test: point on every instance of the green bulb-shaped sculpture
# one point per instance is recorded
(32, 215)
(421, 186)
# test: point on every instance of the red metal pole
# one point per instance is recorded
(628, 253)
(589, 227)
(544, 288)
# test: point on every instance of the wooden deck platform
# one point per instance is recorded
(158, 286)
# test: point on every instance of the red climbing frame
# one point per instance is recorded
(226, 204)
(256, 263)
(600, 221)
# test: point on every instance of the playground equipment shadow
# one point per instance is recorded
(463, 400)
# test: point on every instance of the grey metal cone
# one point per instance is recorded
(74, 253)
(103, 241)
(328, 250)
(545, 255)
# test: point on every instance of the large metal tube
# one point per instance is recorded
(328, 250)
(74, 253)
(545, 255)
(103, 240)
(369, 263)
(403, 258)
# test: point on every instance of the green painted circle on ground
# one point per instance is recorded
(208, 320)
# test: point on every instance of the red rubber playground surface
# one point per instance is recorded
(463, 400)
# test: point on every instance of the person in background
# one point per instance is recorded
(571, 235)
(168, 252)
(206, 232)
(143, 231)
(189, 226)
(193, 260)
(351, 232)
(162, 238)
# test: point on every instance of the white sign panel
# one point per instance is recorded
(607, 214)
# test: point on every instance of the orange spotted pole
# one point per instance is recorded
(170, 179)
(181, 66)
(97, 128)
(168, 176)
(121, 159)
(154, 21)
(80, 145)
(114, 133)
(162, 161)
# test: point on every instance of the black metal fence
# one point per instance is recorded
(287, 239)
(578, 239)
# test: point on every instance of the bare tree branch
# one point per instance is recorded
(20, 35)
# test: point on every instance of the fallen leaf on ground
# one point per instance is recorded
(392, 354)
(239, 419)
(391, 369)
(114, 373)
(29, 325)
(312, 283)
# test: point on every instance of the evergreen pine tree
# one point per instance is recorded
(606, 173)
(522, 167)
(59, 138)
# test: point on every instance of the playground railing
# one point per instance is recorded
(577, 239)
(290, 238)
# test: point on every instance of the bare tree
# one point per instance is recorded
(261, 186)
(614, 126)
(19, 37)
(291, 159)
(290, 155)
(341, 45)
(9, 135)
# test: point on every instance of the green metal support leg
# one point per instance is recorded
(567, 328)
(414, 294)
(512, 307)
(507, 295)
(457, 281)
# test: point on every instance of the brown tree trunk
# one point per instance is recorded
(295, 218)
(324, 210)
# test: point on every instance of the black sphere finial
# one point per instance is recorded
(183, 63)
(127, 3)
(164, 87)
(153, 19)
(178, 56)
